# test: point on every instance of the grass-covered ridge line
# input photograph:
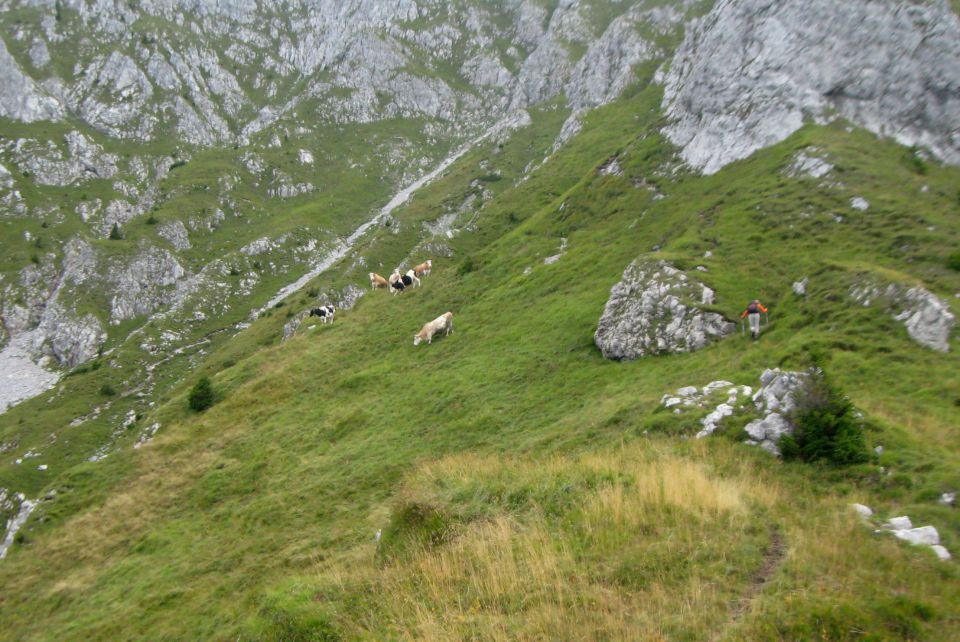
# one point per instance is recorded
(522, 482)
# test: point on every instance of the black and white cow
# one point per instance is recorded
(325, 312)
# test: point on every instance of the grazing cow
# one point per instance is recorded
(443, 323)
(424, 268)
(325, 312)
(377, 281)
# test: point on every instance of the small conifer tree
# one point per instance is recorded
(201, 396)
(115, 234)
(826, 425)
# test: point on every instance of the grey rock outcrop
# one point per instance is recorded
(48, 165)
(175, 232)
(70, 340)
(654, 309)
(928, 319)
(20, 97)
(144, 284)
(751, 72)
(808, 163)
(774, 401)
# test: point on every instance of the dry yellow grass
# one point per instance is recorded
(528, 576)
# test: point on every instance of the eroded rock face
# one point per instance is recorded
(145, 284)
(928, 319)
(751, 72)
(20, 98)
(654, 309)
(175, 232)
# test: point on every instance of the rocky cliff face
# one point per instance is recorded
(215, 72)
(751, 72)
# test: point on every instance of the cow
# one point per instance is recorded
(410, 278)
(325, 312)
(396, 283)
(443, 323)
(377, 281)
(424, 268)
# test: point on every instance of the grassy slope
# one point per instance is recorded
(527, 488)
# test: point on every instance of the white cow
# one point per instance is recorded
(443, 323)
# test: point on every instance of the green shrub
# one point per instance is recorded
(152, 220)
(953, 261)
(413, 526)
(107, 390)
(467, 266)
(115, 234)
(826, 425)
(201, 396)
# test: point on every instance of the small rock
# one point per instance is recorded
(800, 287)
(941, 552)
(948, 499)
(859, 203)
(862, 511)
(899, 523)
(42, 467)
(878, 450)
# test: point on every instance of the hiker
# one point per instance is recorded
(753, 316)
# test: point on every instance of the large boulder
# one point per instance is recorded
(655, 309)
(928, 319)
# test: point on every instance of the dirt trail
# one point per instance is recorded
(772, 560)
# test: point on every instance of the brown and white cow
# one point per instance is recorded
(443, 323)
(377, 281)
(424, 268)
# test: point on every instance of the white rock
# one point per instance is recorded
(924, 535)
(862, 510)
(948, 499)
(859, 203)
(707, 296)
(899, 523)
(941, 552)
(716, 385)
(771, 427)
(800, 287)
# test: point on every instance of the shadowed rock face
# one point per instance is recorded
(654, 310)
(752, 71)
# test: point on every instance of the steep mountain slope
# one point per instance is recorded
(108, 105)
(507, 481)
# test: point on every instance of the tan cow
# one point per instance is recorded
(424, 268)
(377, 281)
(443, 323)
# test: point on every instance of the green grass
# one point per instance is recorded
(516, 474)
